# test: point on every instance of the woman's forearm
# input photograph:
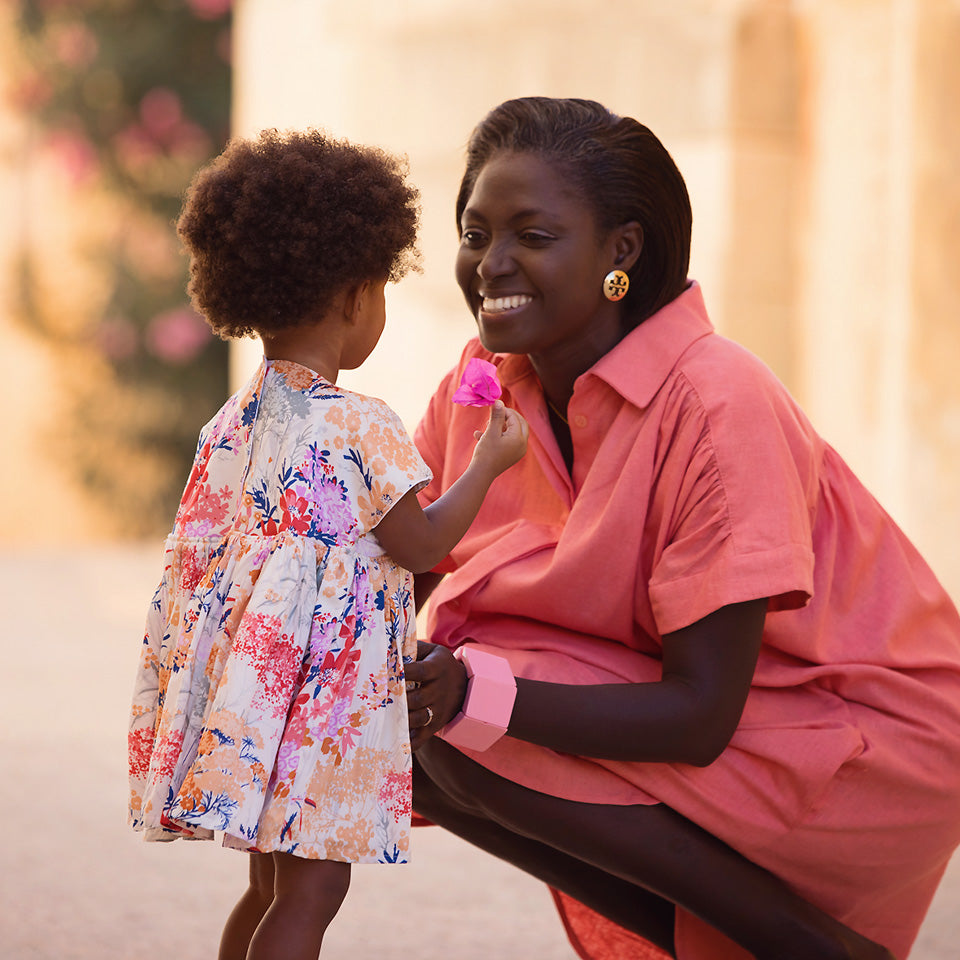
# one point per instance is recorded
(648, 722)
(688, 716)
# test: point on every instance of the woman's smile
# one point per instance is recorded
(497, 305)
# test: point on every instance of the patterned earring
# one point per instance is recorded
(615, 285)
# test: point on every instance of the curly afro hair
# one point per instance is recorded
(276, 226)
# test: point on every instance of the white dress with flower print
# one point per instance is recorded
(269, 702)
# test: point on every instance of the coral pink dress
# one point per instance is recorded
(697, 482)
(269, 703)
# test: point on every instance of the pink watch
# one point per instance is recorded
(491, 691)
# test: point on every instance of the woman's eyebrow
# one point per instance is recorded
(519, 215)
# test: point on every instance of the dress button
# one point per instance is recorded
(580, 420)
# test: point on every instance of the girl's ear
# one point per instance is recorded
(627, 244)
(353, 300)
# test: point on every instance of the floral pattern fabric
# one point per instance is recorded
(269, 703)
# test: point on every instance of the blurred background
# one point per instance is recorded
(820, 142)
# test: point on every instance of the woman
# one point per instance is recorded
(736, 726)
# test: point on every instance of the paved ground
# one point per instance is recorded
(76, 884)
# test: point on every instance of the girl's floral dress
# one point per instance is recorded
(269, 701)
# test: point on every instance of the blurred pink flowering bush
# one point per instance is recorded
(129, 98)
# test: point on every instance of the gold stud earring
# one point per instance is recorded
(615, 285)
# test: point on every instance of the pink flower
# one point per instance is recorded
(177, 336)
(479, 386)
(116, 338)
(75, 154)
(210, 9)
(161, 113)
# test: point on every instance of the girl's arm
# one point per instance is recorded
(688, 716)
(419, 538)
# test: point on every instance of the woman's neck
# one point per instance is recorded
(557, 372)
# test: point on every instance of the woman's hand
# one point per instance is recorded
(441, 684)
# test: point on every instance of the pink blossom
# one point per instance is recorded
(161, 112)
(74, 44)
(177, 336)
(75, 154)
(135, 149)
(210, 9)
(31, 91)
(479, 386)
(117, 338)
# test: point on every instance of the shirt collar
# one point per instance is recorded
(638, 366)
(640, 363)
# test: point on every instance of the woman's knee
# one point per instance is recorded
(442, 783)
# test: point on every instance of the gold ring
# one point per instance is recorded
(429, 716)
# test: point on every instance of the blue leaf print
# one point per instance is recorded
(248, 833)
(354, 456)
(223, 737)
(287, 827)
(391, 856)
(262, 501)
(221, 806)
(247, 750)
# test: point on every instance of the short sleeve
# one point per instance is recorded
(734, 494)
(389, 464)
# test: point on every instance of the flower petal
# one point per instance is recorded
(479, 386)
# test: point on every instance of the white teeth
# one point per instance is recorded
(500, 304)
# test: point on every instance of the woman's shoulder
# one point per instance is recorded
(732, 382)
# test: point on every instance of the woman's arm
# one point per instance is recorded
(688, 716)
(423, 585)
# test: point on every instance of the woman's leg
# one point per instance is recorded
(666, 855)
(631, 906)
(249, 910)
(307, 896)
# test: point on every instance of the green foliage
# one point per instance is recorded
(131, 97)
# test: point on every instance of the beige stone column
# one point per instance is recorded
(880, 232)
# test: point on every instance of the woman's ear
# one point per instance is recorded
(627, 244)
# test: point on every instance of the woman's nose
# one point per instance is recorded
(496, 261)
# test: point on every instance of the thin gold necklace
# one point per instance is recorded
(556, 411)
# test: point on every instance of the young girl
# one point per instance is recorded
(269, 703)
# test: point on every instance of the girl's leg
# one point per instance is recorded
(249, 910)
(307, 896)
(666, 855)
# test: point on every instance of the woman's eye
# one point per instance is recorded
(471, 238)
(534, 239)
